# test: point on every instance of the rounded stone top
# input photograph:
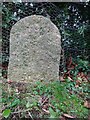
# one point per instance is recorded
(36, 21)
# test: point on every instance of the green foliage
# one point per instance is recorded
(81, 66)
(69, 103)
(15, 102)
(64, 97)
(53, 114)
(64, 101)
(6, 113)
(7, 16)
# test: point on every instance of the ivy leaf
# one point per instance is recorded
(6, 113)
(15, 103)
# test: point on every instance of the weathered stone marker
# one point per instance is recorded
(34, 50)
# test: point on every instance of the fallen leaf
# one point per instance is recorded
(87, 104)
(61, 79)
(9, 81)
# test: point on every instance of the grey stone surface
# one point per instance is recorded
(34, 50)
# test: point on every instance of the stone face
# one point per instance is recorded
(34, 50)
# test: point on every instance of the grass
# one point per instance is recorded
(44, 100)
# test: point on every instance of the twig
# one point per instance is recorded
(52, 106)
(30, 115)
(44, 101)
(23, 111)
(20, 111)
(47, 111)
(9, 90)
(5, 106)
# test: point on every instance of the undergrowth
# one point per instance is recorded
(50, 100)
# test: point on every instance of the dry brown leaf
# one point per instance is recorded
(61, 79)
(9, 81)
(87, 104)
